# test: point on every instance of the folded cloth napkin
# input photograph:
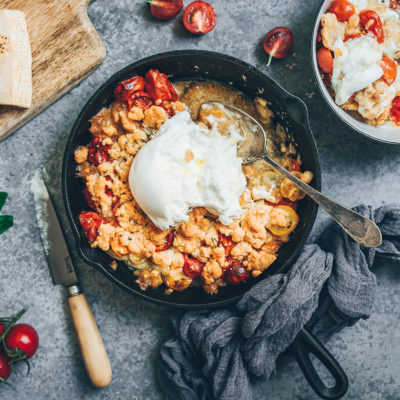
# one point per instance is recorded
(217, 353)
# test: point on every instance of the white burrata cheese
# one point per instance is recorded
(355, 66)
(184, 166)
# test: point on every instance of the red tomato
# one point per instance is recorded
(192, 267)
(159, 87)
(168, 242)
(165, 9)
(294, 165)
(199, 17)
(2, 328)
(352, 36)
(90, 222)
(236, 272)
(389, 70)
(342, 9)
(395, 110)
(227, 243)
(395, 4)
(5, 366)
(126, 88)
(89, 199)
(372, 23)
(98, 153)
(24, 337)
(325, 60)
(278, 42)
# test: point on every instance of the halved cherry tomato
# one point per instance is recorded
(372, 23)
(289, 220)
(226, 242)
(124, 89)
(168, 242)
(342, 9)
(143, 102)
(98, 153)
(325, 60)
(192, 267)
(89, 199)
(165, 9)
(395, 110)
(389, 70)
(236, 272)
(90, 222)
(5, 366)
(23, 337)
(278, 42)
(159, 87)
(199, 17)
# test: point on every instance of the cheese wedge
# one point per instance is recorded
(15, 60)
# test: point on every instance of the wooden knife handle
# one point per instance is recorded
(92, 347)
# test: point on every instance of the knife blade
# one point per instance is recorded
(62, 270)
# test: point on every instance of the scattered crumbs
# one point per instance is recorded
(114, 265)
(244, 77)
(310, 95)
(207, 73)
(294, 54)
(230, 82)
(291, 66)
(260, 90)
(196, 68)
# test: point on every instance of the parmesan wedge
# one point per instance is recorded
(15, 60)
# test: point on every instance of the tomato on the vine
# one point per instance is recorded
(23, 337)
(5, 366)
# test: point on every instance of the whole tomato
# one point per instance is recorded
(192, 267)
(5, 366)
(278, 43)
(342, 9)
(24, 337)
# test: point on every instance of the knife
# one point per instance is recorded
(62, 270)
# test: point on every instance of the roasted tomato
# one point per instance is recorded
(325, 60)
(89, 199)
(124, 89)
(278, 42)
(192, 267)
(5, 366)
(159, 87)
(90, 222)
(342, 9)
(352, 36)
(236, 272)
(199, 17)
(294, 165)
(23, 337)
(372, 23)
(285, 218)
(98, 153)
(226, 242)
(168, 242)
(389, 70)
(165, 9)
(395, 110)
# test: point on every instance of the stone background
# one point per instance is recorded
(354, 170)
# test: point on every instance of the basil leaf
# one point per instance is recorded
(6, 222)
(3, 198)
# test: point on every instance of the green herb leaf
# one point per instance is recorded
(6, 222)
(3, 198)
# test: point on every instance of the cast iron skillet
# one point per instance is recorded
(289, 110)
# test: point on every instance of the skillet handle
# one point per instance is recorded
(306, 343)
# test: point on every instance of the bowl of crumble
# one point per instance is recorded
(156, 196)
(356, 52)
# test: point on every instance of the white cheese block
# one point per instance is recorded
(15, 60)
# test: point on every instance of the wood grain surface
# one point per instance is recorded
(65, 49)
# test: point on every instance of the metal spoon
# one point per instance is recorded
(253, 148)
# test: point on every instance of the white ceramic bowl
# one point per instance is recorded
(385, 134)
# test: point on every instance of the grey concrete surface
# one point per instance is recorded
(354, 170)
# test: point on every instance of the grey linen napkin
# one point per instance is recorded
(217, 353)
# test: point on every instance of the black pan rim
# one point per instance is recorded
(144, 294)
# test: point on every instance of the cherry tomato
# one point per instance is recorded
(159, 87)
(90, 222)
(395, 110)
(236, 272)
(88, 198)
(199, 17)
(389, 70)
(288, 220)
(227, 243)
(342, 9)
(325, 60)
(5, 366)
(98, 153)
(168, 242)
(372, 23)
(192, 267)
(165, 9)
(352, 36)
(278, 42)
(2, 328)
(395, 4)
(294, 165)
(124, 89)
(24, 337)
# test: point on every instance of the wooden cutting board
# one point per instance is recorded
(65, 49)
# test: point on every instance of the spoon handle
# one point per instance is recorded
(360, 228)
